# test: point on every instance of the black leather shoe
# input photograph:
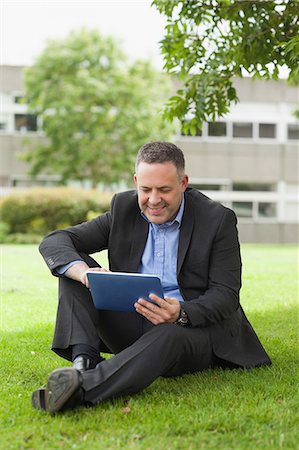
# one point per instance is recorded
(63, 391)
(38, 399)
(83, 363)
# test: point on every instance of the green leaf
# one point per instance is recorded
(217, 39)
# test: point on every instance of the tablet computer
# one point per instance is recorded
(118, 291)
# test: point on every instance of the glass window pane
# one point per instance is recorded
(242, 130)
(293, 131)
(18, 99)
(266, 209)
(243, 209)
(206, 187)
(217, 129)
(267, 130)
(25, 122)
(3, 122)
(253, 187)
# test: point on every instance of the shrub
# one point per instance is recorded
(39, 211)
(4, 231)
(22, 238)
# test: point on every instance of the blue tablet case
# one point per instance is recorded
(118, 291)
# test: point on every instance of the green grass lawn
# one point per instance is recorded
(217, 409)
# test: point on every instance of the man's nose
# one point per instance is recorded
(154, 198)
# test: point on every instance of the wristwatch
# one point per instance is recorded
(183, 319)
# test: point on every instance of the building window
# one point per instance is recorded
(266, 210)
(243, 209)
(25, 182)
(25, 122)
(19, 99)
(267, 130)
(293, 131)
(253, 187)
(206, 187)
(3, 122)
(217, 129)
(242, 130)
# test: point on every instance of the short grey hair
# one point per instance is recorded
(161, 152)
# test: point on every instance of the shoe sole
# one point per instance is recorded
(61, 385)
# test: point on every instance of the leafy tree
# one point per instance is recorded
(96, 109)
(207, 42)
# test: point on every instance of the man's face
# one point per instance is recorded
(159, 190)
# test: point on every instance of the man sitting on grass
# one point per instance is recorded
(191, 243)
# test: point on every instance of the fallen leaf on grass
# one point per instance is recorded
(126, 409)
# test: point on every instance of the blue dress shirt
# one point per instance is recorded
(160, 253)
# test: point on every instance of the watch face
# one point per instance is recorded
(183, 320)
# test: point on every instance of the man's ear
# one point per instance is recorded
(135, 179)
(184, 183)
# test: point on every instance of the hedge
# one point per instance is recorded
(41, 210)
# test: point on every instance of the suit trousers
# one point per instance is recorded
(142, 351)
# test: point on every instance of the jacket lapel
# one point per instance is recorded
(139, 239)
(185, 233)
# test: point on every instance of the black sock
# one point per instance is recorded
(88, 351)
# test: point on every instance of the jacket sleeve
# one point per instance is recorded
(64, 246)
(220, 300)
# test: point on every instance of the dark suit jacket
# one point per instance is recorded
(208, 265)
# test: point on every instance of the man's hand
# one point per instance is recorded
(78, 272)
(165, 311)
(84, 279)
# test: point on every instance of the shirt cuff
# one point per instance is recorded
(62, 269)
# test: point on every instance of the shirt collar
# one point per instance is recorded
(177, 219)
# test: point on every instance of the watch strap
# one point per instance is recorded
(183, 319)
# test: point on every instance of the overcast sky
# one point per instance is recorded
(26, 25)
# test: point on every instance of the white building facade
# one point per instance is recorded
(247, 160)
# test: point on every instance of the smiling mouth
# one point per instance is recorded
(156, 211)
